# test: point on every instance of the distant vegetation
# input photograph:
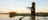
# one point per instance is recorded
(37, 14)
(12, 14)
(16, 14)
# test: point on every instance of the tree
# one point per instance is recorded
(12, 14)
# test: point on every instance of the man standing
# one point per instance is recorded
(33, 11)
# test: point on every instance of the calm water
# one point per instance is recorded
(6, 17)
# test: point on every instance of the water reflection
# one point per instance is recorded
(6, 17)
(42, 18)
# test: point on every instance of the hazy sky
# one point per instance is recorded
(21, 5)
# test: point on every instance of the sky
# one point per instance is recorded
(20, 6)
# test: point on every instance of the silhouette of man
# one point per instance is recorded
(33, 8)
(21, 18)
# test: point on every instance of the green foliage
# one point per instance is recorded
(12, 14)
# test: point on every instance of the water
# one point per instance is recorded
(6, 17)
(42, 18)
